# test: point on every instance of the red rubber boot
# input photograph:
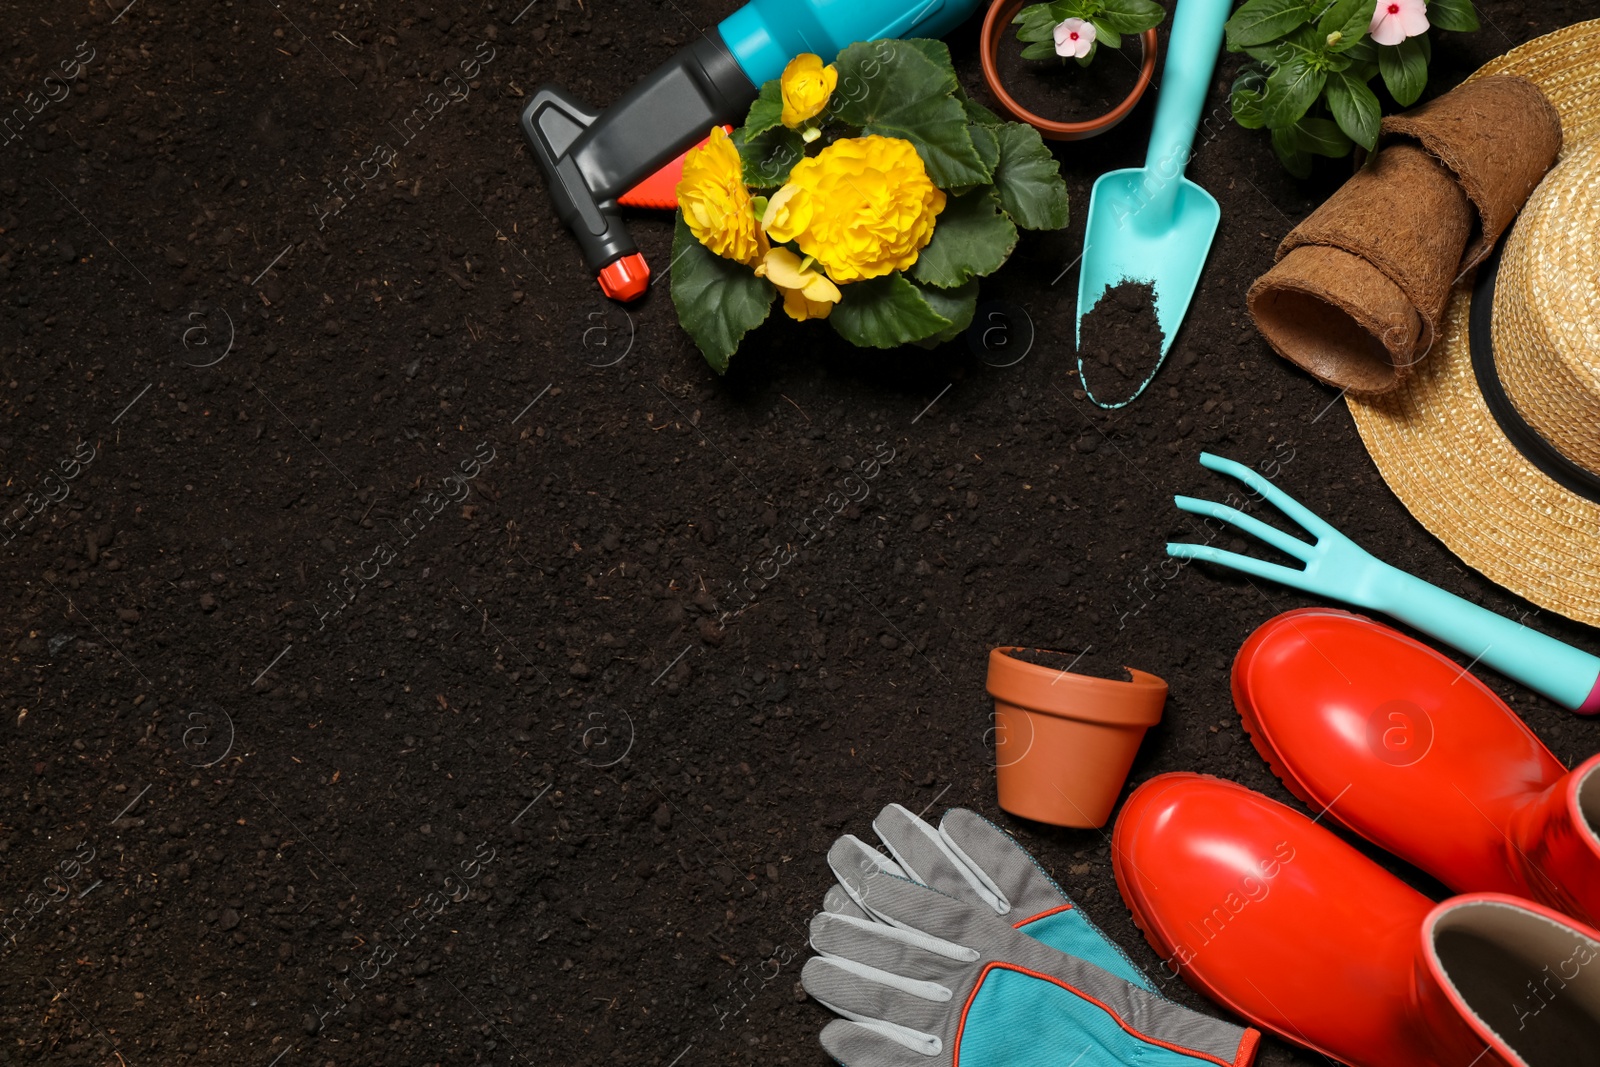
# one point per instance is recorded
(1405, 748)
(1284, 924)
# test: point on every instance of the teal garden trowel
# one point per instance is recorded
(1150, 223)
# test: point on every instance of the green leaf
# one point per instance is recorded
(1260, 21)
(1252, 76)
(718, 300)
(1360, 53)
(1028, 179)
(1037, 35)
(1129, 16)
(910, 95)
(978, 115)
(1364, 72)
(1107, 38)
(1291, 90)
(932, 49)
(1033, 15)
(1457, 15)
(1355, 108)
(1405, 69)
(1246, 107)
(1040, 50)
(1305, 41)
(884, 313)
(957, 305)
(767, 110)
(1270, 54)
(767, 148)
(768, 156)
(1322, 137)
(1073, 9)
(1349, 19)
(971, 238)
(1036, 23)
(987, 142)
(1295, 160)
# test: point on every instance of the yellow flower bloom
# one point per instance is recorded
(807, 294)
(715, 202)
(788, 212)
(806, 85)
(862, 207)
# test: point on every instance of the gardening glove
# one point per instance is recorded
(933, 981)
(970, 858)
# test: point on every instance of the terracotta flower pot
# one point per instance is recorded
(1064, 742)
(997, 23)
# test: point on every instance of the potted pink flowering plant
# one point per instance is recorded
(1313, 62)
(1062, 30)
(1075, 29)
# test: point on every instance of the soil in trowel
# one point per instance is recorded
(1120, 341)
(1077, 662)
(1061, 90)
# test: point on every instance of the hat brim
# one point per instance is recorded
(1434, 439)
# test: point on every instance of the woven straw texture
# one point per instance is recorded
(1547, 309)
(1434, 440)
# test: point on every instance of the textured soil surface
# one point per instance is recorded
(395, 671)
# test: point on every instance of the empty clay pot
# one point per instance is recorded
(1064, 742)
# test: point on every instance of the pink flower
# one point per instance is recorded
(1395, 20)
(1074, 38)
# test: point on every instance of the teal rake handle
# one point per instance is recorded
(1337, 567)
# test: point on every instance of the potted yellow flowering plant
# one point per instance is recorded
(870, 192)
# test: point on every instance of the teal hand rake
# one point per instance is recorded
(1338, 568)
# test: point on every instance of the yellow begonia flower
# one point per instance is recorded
(807, 294)
(806, 85)
(862, 207)
(716, 204)
(788, 212)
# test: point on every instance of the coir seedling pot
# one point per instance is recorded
(1064, 742)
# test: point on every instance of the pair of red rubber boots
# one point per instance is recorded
(1274, 917)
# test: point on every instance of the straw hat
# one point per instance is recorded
(1494, 442)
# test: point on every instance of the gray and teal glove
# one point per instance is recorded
(929, 978)
(970, 858)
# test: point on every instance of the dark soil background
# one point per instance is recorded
(378, 693)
